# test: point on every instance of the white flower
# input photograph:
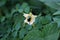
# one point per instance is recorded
(30, 18)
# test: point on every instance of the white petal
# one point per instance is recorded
(30, 23)
(25, 21)
(25, 15)
(35, 16)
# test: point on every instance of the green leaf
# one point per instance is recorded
(17, 6)
(35, 3)
(50, 29)
(20, 10)
(22, 32)
(17, 26)
(57, 13)
(27, 9)
(2, 19)
(19, 20)
(57, 20)
(45, 20)
(24, 7)
(37, 23)
(28, 27)
(13, 11)
(49, 32)
(33, 35)
(52, 3)
(2, 2)
(14, 34)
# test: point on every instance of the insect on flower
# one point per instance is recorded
(30, 18)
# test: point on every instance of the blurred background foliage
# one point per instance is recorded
(46, 26)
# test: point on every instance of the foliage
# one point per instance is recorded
(45, 27)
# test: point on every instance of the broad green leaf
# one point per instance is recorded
(56, 19)
(50, 29)
(22, 32)
(49, 32)
(57, 13)
(44, 20)
(52, 37)
(48, 17)
(52, 3)
(37, 24)
(33, 35)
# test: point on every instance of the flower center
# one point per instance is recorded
(29, 19)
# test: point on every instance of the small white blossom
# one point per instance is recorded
(32, 18)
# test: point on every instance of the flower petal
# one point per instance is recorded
(25, 15)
